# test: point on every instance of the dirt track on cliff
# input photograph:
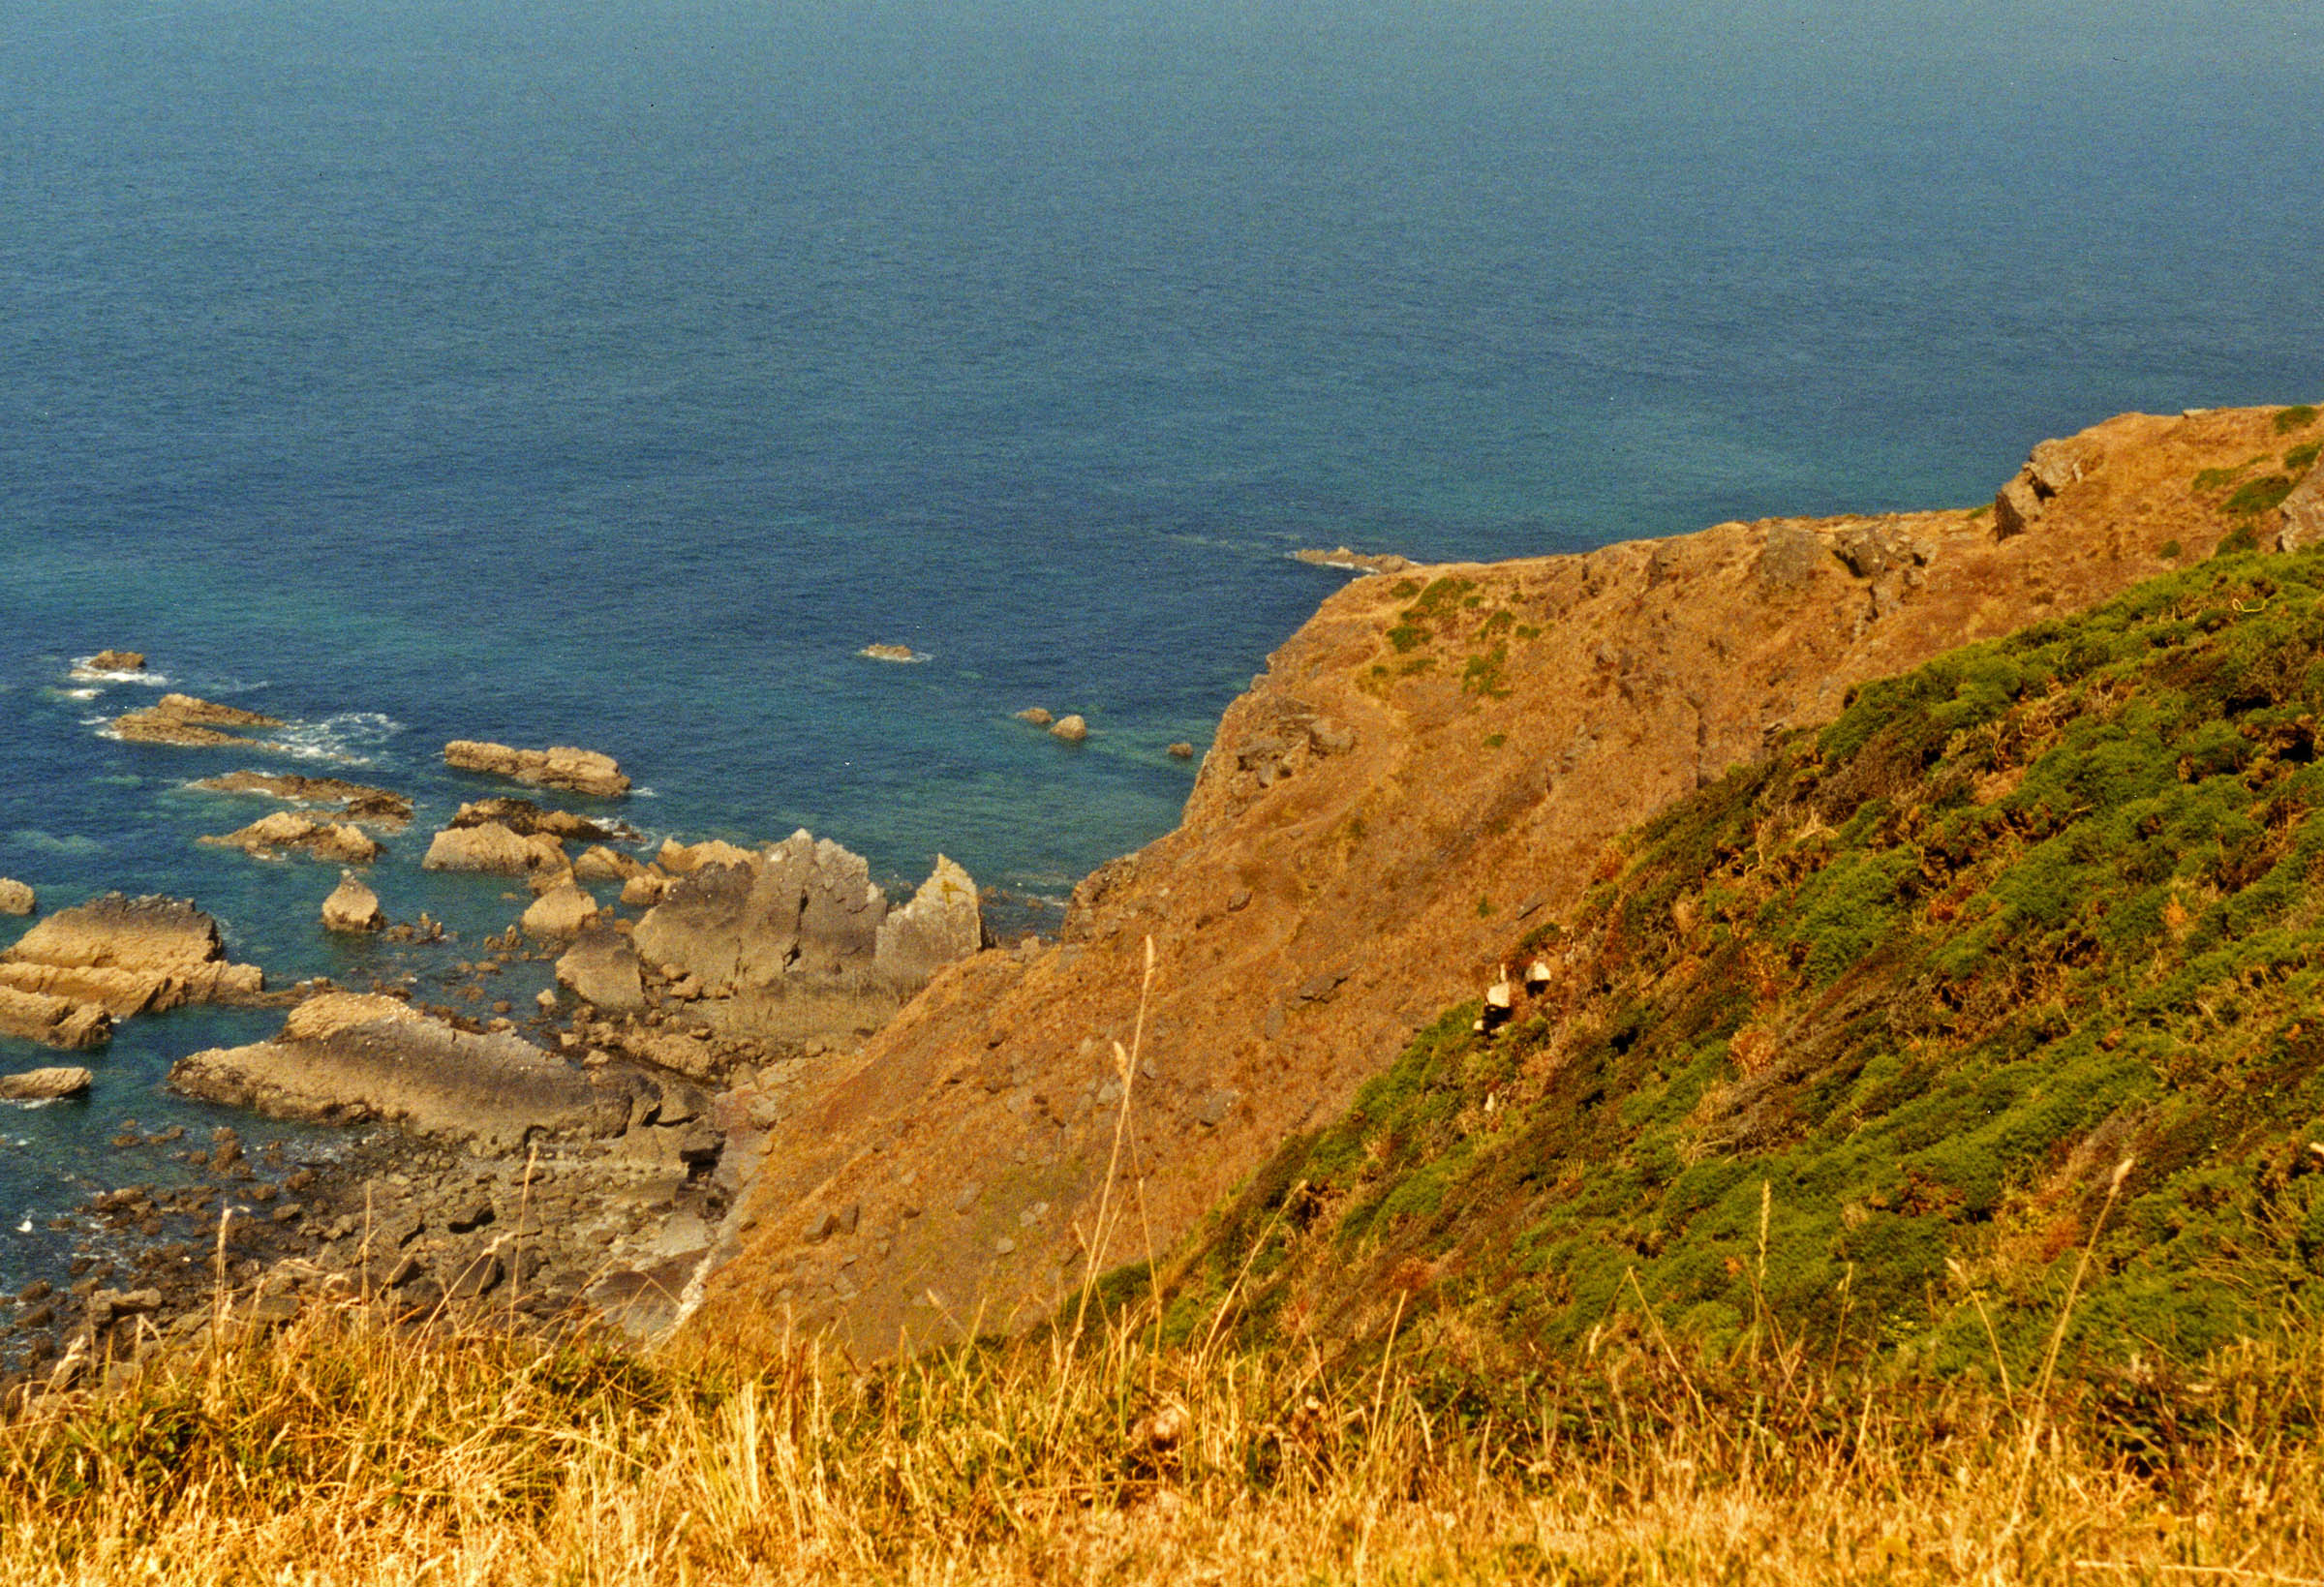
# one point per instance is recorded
(1429, 767)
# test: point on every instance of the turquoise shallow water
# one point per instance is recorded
(610, 375)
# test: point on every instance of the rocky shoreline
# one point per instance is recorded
(576, 1162)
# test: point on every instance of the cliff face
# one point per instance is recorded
(1428, 762)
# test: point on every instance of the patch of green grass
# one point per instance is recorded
(2295, 417)
(2299, 459)
(2170, 550)
(2258, 496)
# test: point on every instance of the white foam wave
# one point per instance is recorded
(343, 738)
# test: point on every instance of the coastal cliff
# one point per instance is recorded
(1433, 765)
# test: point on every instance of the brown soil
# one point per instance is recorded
(1423, 764)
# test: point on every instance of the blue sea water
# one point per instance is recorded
(611, 374)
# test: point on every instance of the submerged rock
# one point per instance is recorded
(351, 1056)
(355, 800)
(352, 907)
(560, 766)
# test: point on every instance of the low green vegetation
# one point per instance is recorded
(2296, 417)
(1853, 1045)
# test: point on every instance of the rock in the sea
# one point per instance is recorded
(527, 819)
(292, 830)
(1072, 729)
(599, 864)
(559, 912)
(560, 766)
(679, 859)
(44, 1085)
(1356, 562)
(1038, 715)
(354, 801)
(493, 847)
(349, 1056)
(1182, 751)
(352, 907)
(601, 968)
(131, 956)
(183, 719)
(942, 924)
(110, 660)
(52, 1021)
(644, 890)
(15, 899)
(888, 652)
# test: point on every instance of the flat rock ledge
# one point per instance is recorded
(356, 801)
(130, 956)
(351, 1058)
(560, 766)
(295, 833)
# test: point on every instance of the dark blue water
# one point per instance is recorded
(612, 374)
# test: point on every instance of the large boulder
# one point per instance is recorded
(2303, 513)
(15, 899)
(44, 1085)
(601, 968)
(559, 912)
(599, 864)
(351, 1057)
(112, 660)
(493, 847)
(352, 907)
(804, 907)
(293, 832)
(941, 925)
(560, 766)
(183, 719)
(679, 859)
(130, 956)
(52, 1021)
(1071, 729)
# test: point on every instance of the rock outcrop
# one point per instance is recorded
(51, 1021)
(1039, 715)
(2303, 512)
(1486, 731)
(183, 719)
(348, 1057)
(110, 660)
(599, 864)
(354, 801)
(130, 956)
(530, 820)
(559, 912)
(492, 847)
(1354, 561)
(804, 907)
(352, 908)
(15, 899)
(888, 652)
(290, 831)
(941, 926)
(678, 859)
(44, 1085)
(1071, 729)
(560, 766)
(601, 970)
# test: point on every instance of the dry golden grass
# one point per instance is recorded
(341, 1450)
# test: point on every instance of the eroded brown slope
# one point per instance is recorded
(1421, 765)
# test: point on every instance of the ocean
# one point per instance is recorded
(611, 374)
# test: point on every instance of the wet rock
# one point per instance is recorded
(1070, 729)
(355, 801)
(560, 766)
(352, 907)
(111, 661)
(1038, 715)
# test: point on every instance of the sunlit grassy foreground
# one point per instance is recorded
(340, 1452)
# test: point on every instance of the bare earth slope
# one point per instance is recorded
(1344, 868)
